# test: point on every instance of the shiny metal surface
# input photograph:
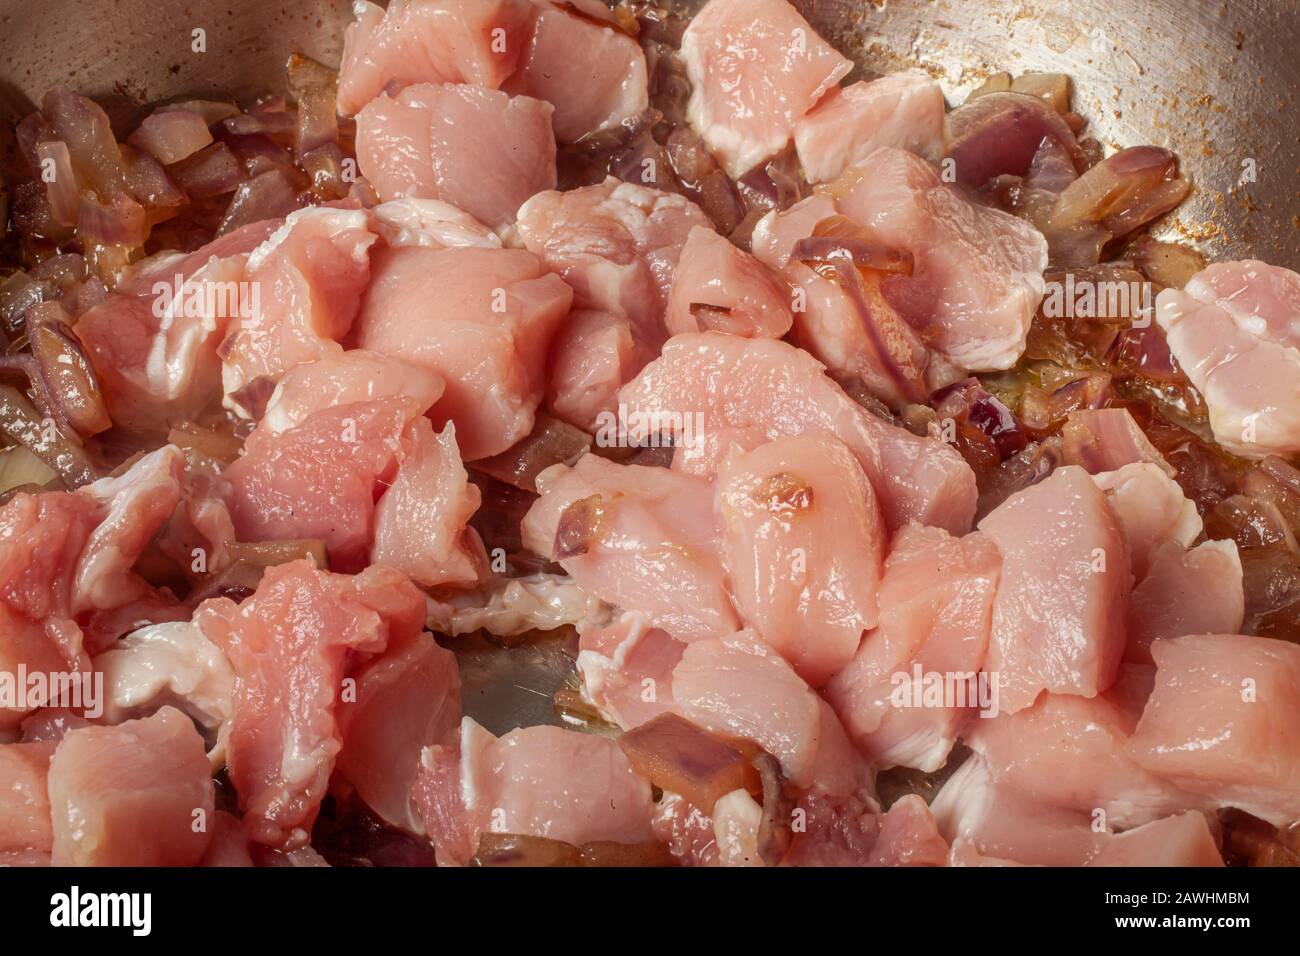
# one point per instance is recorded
(1217, 81)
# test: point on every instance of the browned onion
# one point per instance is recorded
(315, 88)
(66, 375)
(270, 195)
(999, 133)
(579, 527)
(213, 171)
(149, 183)
(171, 135)
(121, 222)
(551, 442)
(683, 758)
(212, 111)
(61, 187)
(20, 420)
(86, 130)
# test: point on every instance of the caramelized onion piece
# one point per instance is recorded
(579, 527)
(551, 442)
(517, 849)
(84, 127)
(1166, 263)
(683, 758)
(171, 135)
(40, 435)
(999, 134)
(270, 195)
(61, 182)
(1119, 194)
(68, 380)
(220, 446)
(774, 830)
(315, 88)
(213, 171)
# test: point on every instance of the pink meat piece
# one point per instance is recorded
(1068, 752)
(904, 111)
(136, 504)
(638, 537)
(1235, 331)
(1186, 592)
(861, 339)
(617, 244)
(524, 783)
(936, 605)
(845, 832)
(720, 288)
(599, 89)
(483, 319)
(1223, 722)
(802, 543)
(977, 276)
(421, 522)
(229, 845)
(130, 795)
(290, 645)
(627, 669)
(430, 41)
(431, 224)
(25, 832)
(594, 355)
(1184, 839)
(990, 822)
(773, 387)
(309, 277)
(704, 456)
(756, 68)
(1152, 511)
(67, 557)
(481, 150)
(737, 685)
(909, 836)
(155, 354)
(686, 830)
(320, 479)
(1058, 619)
(406, 700)
(1107, 439)
(346, 378)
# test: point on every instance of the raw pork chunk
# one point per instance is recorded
(718, 287)
(291, 645)
(309, 277)
(159, 370)
(1058, 619)
(1068, 752)
(483, 319)
(481, 150)
(977, 277)
(131, 795)
(637, 537)
(779, 391)
(593, 73)
(617, 244)
(905, 110)
(803, 543)
(1186, 592)
(936, 606)
(1235, 331)
(535, 781)
(756, 68)
(1223, 722)
(430, 41)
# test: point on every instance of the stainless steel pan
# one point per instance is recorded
(1216, 80)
